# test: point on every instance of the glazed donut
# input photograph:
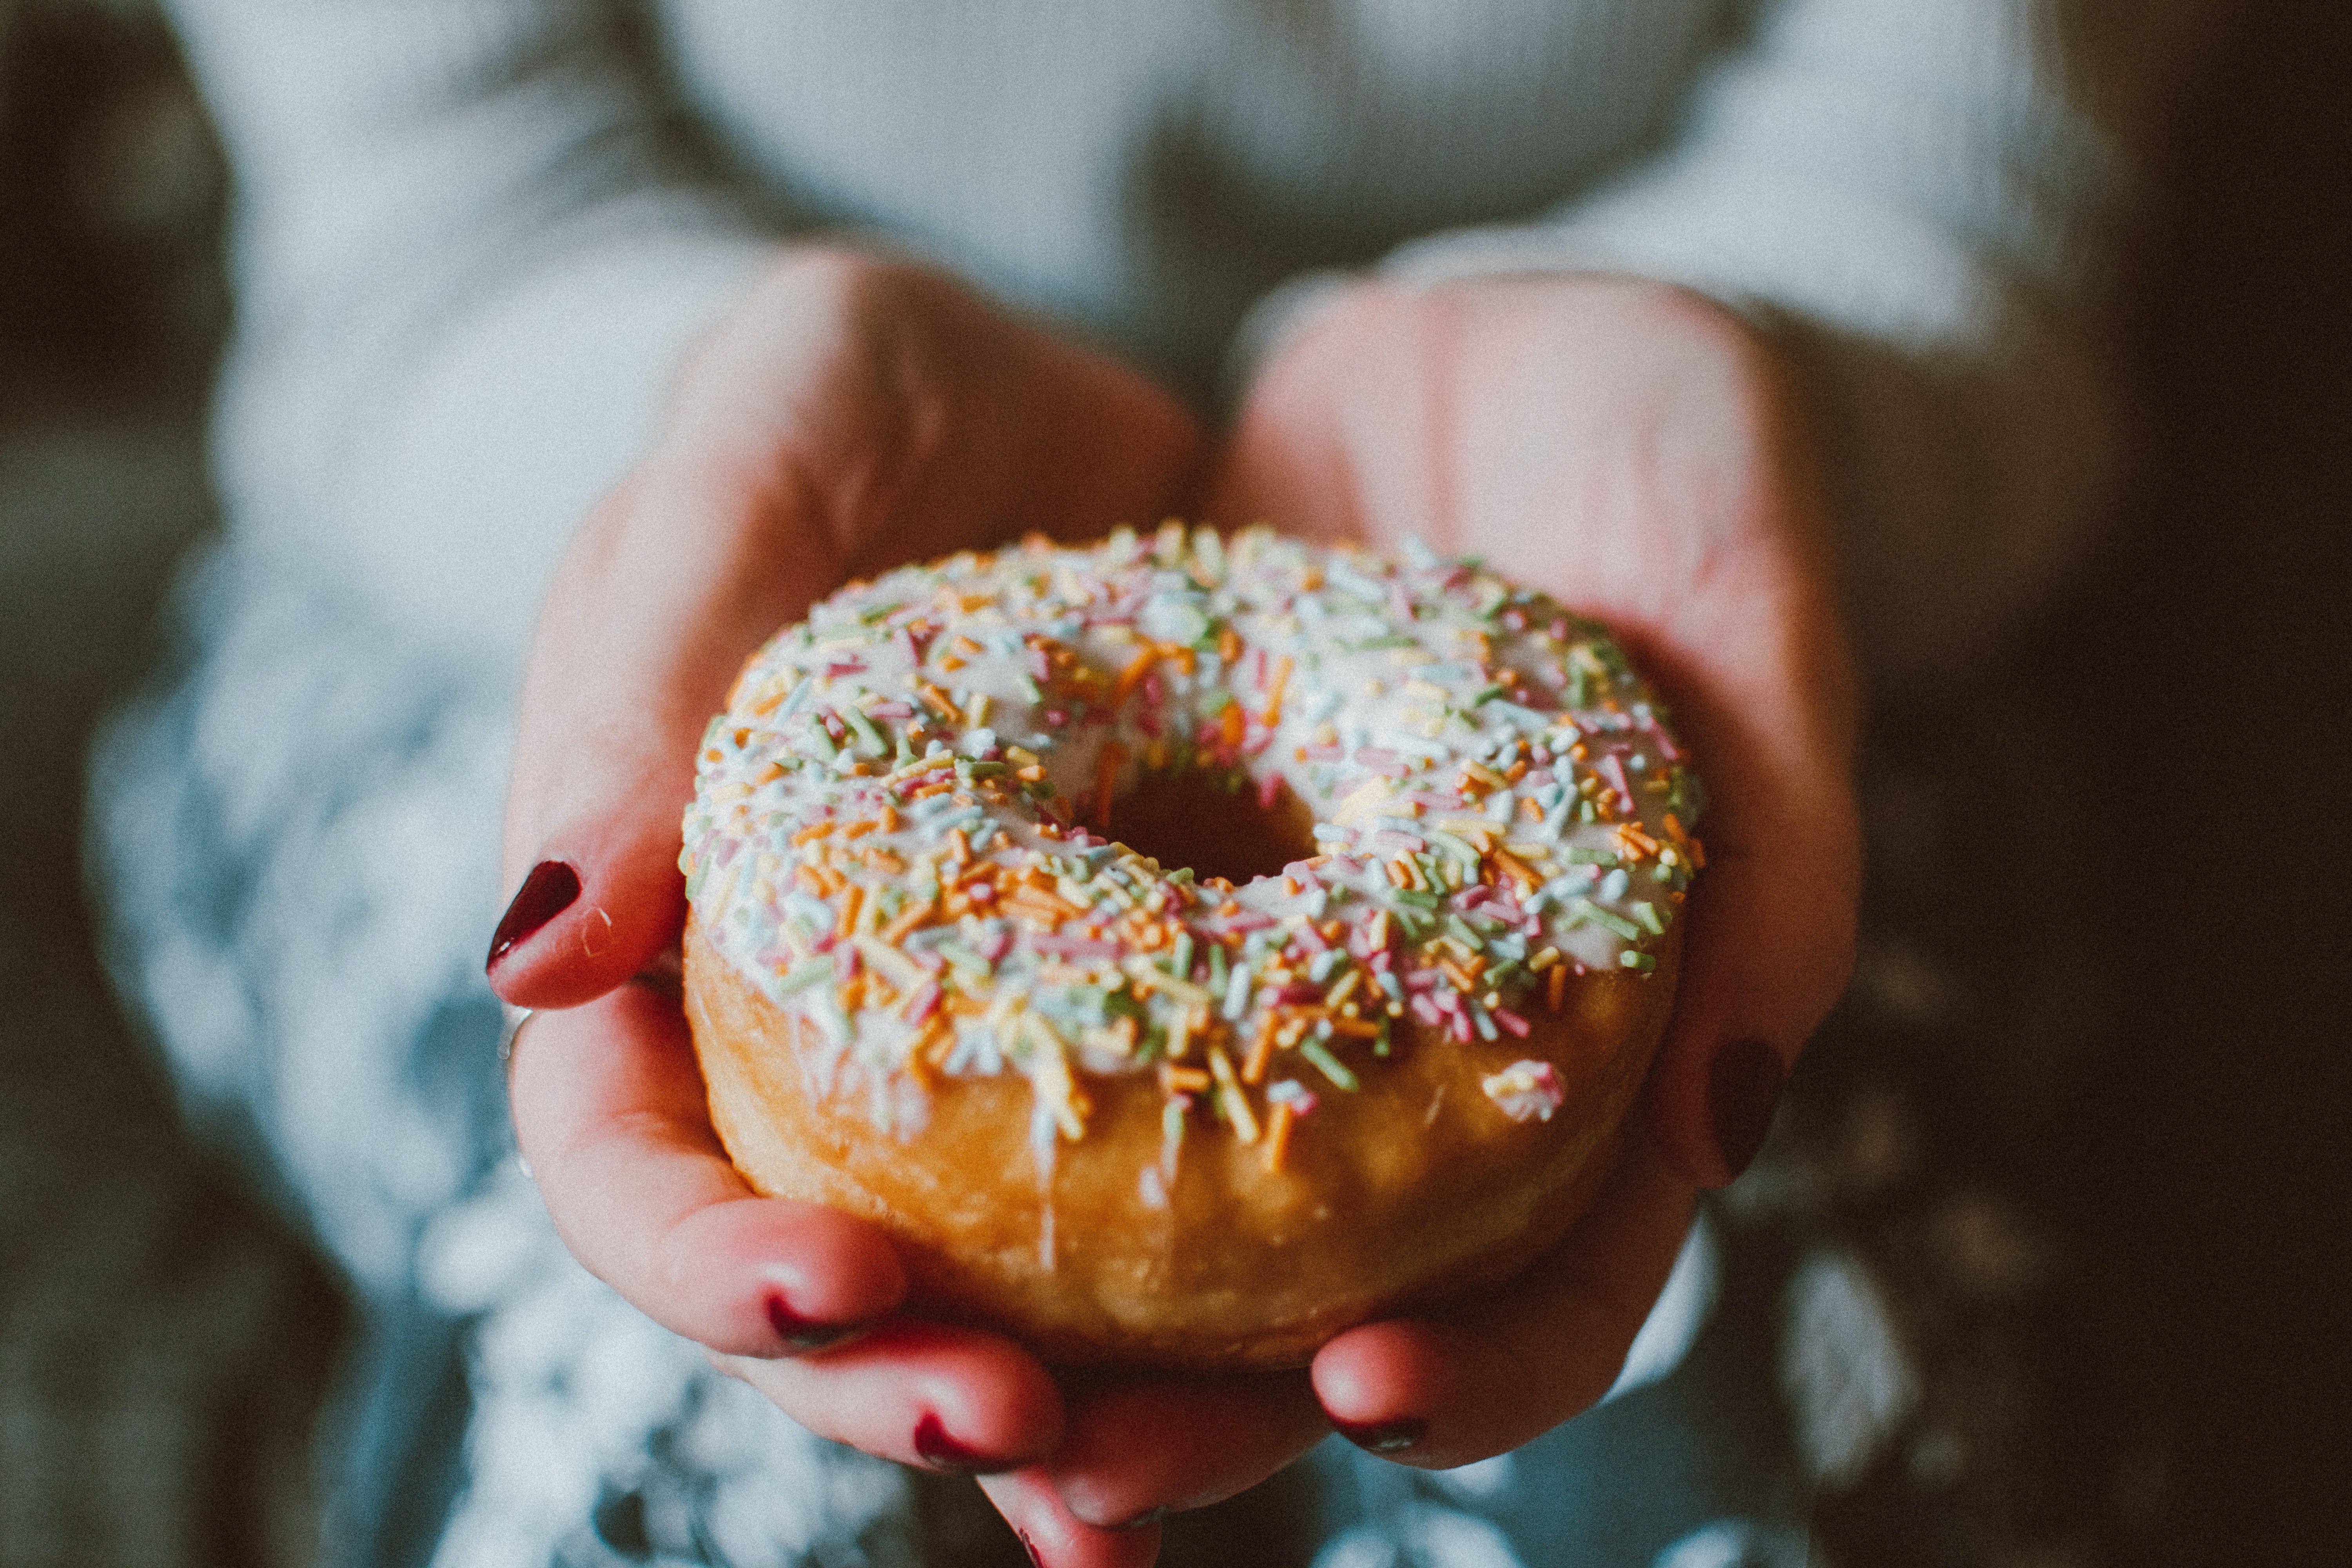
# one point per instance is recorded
(1186, 947)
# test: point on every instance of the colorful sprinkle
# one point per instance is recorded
(904, 824)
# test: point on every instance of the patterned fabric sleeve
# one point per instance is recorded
(462, 228)
(1921, 196)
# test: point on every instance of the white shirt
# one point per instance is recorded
(474, 236)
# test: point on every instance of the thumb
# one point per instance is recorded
(644, 625)
(852, 415)
(1762, 694)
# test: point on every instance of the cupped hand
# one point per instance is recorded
(1633, 450)
(849, 414)
(1641, 454)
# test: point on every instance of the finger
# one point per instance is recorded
(1135, 1449)
(855, 415)
(650, 616)
(1757, 672)
(1104, 446)
(1676, 502)
(948, 1399)
(932, 422)
(611, 1114)
(1441, 1391)
(1057, 1538)
(1290, 474)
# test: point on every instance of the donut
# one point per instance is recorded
(1186, 947)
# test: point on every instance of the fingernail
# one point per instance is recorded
(1384, 1436)
(805, 1336)
(942, 1452)
(1030, 1547)
(546, 893)
(1149, 1516)
(1743, 1088)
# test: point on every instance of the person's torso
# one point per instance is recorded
(1145, 169)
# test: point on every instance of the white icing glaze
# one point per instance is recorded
(890, 832)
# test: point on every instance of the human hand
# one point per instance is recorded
(1667, 433)
(849, 414)
(1638, 453)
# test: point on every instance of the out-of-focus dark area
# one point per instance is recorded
(163, 1343)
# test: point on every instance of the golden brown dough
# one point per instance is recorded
(1186, 949)
(1412, 1190)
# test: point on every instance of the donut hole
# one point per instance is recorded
(1190, 820)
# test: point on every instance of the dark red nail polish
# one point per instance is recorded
(1030, 1547)
(1743, 1088)
(1149, 1516)
(942, 1452)
(1384, 1436)
(805, 1336)
(546, 893)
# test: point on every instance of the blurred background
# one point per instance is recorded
(163, 1343)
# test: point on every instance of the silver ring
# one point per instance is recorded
(515, 1018)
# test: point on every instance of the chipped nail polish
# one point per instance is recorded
(805, 1336)
(942, 1452)
(1384, 1436)
(546, 893)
